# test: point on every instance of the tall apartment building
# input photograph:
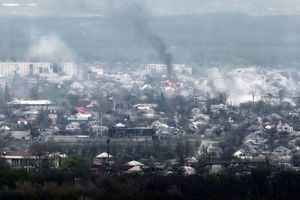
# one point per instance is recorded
(35, 68)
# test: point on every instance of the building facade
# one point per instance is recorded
(36, 68)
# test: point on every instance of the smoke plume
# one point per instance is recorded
(251, 84)
(156, 42)
(50, 48)
(139, 19)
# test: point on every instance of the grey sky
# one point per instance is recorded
(157, 7)
(256, 7)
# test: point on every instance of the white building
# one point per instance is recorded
(156, 68)
(32, 104)
(24, 68)
(34, 68)
(69, 68)
(162, 68)
(183, 69)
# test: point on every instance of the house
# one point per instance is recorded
(69, 68)
(24, 68)
(102, 163)
(134, 163)
(103, 156)
(4, 128)
(284, 128)
(145, 107)
(183, 69)
(138, 132)
(188, 171)
(96, 71)
(31, 114)
(95, 127)
(57, 158)
(156, 68)
(28, 161)
(21, 135)
(68, 138)
(80, 117)
(73, 127)
(135, 170)
(31, 104)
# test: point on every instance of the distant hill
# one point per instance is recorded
(221, 38)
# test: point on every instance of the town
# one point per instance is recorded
(142, 119)
(149, 99)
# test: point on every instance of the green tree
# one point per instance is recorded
(43, 120)
(40, 151)
(34, 92)
(76, 165)
(73, 100)
(7, 96)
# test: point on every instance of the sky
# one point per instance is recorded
(157, 7)
(231, 38)
(253, 7)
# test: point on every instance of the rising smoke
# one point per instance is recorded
(142, 26)
(138, 17)
(50, 48)
(251, 84)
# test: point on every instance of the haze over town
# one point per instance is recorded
(114, 95)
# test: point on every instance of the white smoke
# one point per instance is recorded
(50, 48)
(244, 84)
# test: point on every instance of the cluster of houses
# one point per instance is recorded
(106, 163)
(73, 127)
(143, 105)
(29, 161)
(162, 69)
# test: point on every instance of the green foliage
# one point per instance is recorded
(9, 178)
(54, 92)
(261, 184)
(34, 92)
(75, 165)
(73, 100)
(43, 120)
(7, 96)
(34, 131)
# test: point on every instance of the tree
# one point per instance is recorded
(34, 92)
(73, 100)
(180, 151)
(7, 96)
(62, 120)
(76, 165)
(43, 120)
(2, 100)
(281, 95)
(296, 159)
(40, 151)
(162, 103)
(253, 95)
(34, 132)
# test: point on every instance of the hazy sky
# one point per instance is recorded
(245, 6)
(158, 7)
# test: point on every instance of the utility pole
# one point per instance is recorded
(100, 124)
(108, 156)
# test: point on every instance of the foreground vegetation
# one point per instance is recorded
(70, 184)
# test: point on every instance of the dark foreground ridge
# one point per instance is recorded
(65, 184)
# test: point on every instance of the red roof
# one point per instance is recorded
(81, 110)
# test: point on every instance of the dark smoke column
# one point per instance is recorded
(161, 48)
(140, 20)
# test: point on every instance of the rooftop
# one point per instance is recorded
(30, 102)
